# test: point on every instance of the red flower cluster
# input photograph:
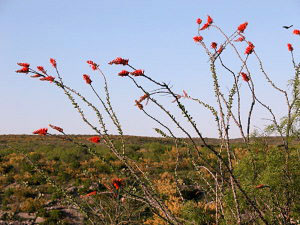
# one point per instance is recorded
(48, 78)
(42, 131)
(53, 62)
(92, 64)
(241, 28)
(245, 77)
(240, 39)
(89, 194)
(199, 21)
(142, 98)
(25, 68)
(41, 69)
(137, 73)
(119, 61)
(117, 183)
(290, 47)
(297, 32)
(123, 73)
(94, 139)
(209, 20)
(138, 104)
(213, 45)
(198, 38)
(24, 64)
(87, 79)
(207, 24)
(59, 129)
(220, 50)
(35, 75)
(250, 48)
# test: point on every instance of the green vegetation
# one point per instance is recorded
(26, 190)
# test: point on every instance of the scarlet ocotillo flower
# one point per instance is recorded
(137, 73)
(250, 48)
(36, 75)
(245, 77)
(41, 69)
(220, 50)
(199, 21)
(89, 194)
(117, 183)
(198, 38)
(213, 45)
(93, 65)
(297, 32)
(142, 98)
(53, 62)
(240, 39)
(48, 78)
(119, 61)
(123, 73)
(207, 24)
(209, 20)
(23, 70)
(59, 129)
(138, 104)
(24, 64)
(290, 47)
(42, 131)
(94, 139)
(241, 28)
(87, 78)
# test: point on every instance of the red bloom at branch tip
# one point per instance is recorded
(94, 139)
(245, 77)
(142, 98)
(137, 73)
(59, 129)
(48, 78)
(220, 50)
(89, 194)
(297, 32)
(206, 25)
(250, 48)
(35, 75)
(198, 38)
(290, 47)
(199, 21)
(117, 183)
(24, 64)
(87, 78)
(241, 28)
(41, 69)
(119, 61)
(23, 70)
(138, 104)
(53, 62)
(93, 65)
(209, 20)
(240, 39)
(213, 45)
(123, 73)
(42, 131)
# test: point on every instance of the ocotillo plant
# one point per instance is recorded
(238, 195)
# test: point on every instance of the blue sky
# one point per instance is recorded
(155, 35)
